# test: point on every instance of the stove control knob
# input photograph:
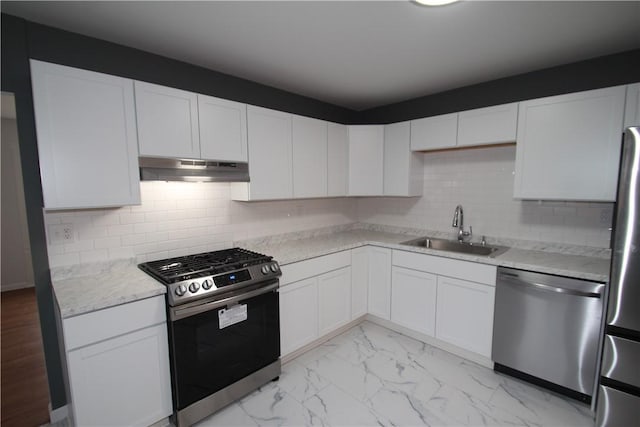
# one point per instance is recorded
(181, 290)
(265, 269)
(194, 287)
(274, 267)
(207, 284)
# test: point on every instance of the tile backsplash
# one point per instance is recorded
(481, 180)
(179, 218)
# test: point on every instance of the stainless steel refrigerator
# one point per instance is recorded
(619, 391)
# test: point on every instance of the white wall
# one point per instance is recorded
(179, 218)
(481, 180)
(17, 271)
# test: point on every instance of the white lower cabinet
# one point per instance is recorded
(118, 365)
(465, 314)
(413, 300)
(315, 299)
(334, 300)
(379, 271)
(427, 298)
(298, 314)
(359, 281)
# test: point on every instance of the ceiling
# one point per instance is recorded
(356, 54)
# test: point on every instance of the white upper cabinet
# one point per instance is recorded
(435, 132)
(568, 146)
(87, 141)
(270, 158)
(167, 122)
(482, 126)
(632, 109)
(403, 171)
(223, 129)
(491, 125)
(366, 160)
(309, 157)
(337, 160)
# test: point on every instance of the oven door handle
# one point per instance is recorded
(181, 313)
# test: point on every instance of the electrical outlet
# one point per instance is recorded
(61, 233)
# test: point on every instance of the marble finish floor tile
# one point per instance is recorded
(371, 376)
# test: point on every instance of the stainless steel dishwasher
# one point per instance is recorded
(546, 330)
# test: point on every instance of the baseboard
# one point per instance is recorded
(16, 286)
(58, 414)
(313, 344)
(466, 354)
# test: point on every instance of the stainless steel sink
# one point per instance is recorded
(455, 246)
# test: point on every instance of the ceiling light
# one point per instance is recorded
(435, 2)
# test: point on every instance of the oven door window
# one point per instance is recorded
(208, 358)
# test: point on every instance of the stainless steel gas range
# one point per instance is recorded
(224, 327)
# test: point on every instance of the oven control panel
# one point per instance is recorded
(202, 287)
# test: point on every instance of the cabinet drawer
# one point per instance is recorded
(314, 266)
(111, 322)
(465, 270)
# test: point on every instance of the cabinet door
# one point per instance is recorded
(123, 381)
(223, 129)
(337, 160)
(309, 157)
(298, 314)
(269, 153)
(334, 300)
(379, 293)
(465, 314)
(413, 300)
(366, 154)
(568, 146)
(359, 281)
(632, 108)
(167, 121)
(403, 173)
(490, 125)
(87, 142)
(435, 132)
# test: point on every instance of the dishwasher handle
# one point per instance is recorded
(546, 288)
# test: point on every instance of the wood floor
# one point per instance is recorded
(24, 394)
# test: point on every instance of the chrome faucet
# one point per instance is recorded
(458, 223)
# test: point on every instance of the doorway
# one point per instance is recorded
(24, 388)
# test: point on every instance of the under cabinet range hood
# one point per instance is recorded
(191, 170)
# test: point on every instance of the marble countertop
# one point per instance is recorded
(585, 264)
(89, 287)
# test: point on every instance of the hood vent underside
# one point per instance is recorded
(190, 170)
